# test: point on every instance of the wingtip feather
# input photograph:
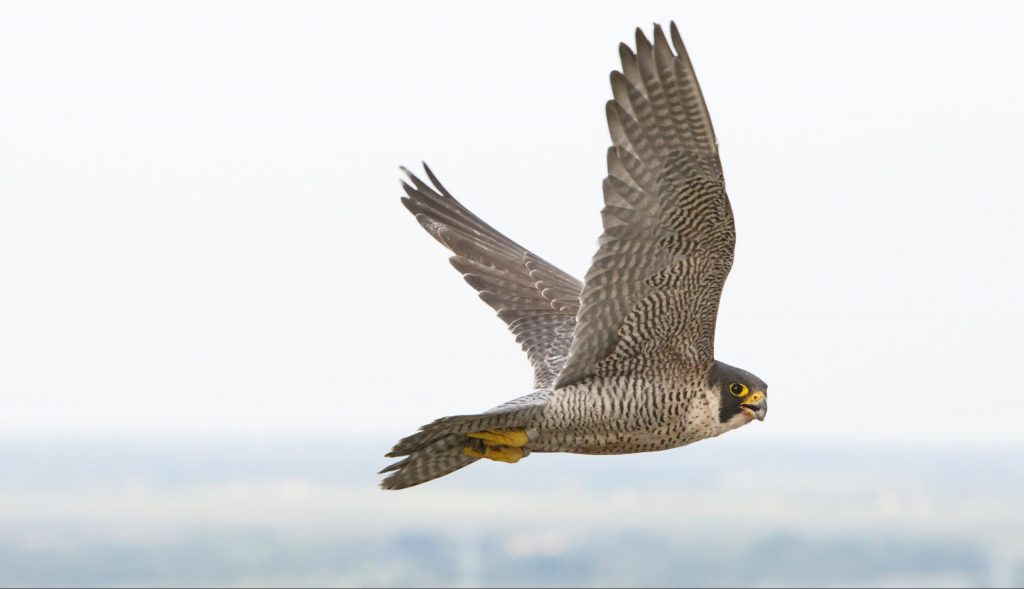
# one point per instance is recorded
(660, 42)
(677, 39)
(641, 39)
(437, 183)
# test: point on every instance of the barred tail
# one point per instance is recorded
(432, 452)
(436, 459)
(437, 449)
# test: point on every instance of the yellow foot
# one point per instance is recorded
(499, 453)
(515, 438)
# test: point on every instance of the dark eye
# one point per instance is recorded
(738, 389)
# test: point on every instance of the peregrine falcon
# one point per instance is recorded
(623, 362)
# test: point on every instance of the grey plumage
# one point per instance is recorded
(536, 300)
(626, 362)
(669, 237)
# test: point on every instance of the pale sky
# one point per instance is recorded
(201, 228)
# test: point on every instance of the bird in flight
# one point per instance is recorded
(623, 362)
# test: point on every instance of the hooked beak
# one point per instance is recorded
(756, 406)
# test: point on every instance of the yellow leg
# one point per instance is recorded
(498, 453)
(515, 438)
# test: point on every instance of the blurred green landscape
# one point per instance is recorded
(306, 511)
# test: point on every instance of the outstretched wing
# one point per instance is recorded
(536, 300)
(652, 292)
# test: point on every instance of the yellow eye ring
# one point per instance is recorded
(739, 390)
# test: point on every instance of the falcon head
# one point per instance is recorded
(744, 397)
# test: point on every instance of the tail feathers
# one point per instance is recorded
(438, 458)
(437, 449)
(517, 413)
(433, 432)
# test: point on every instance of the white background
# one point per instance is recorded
(200, 229)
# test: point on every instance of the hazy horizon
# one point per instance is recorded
(267, 511)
